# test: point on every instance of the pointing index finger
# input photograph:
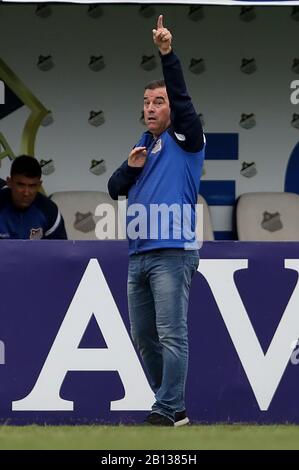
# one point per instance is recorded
(160, 22)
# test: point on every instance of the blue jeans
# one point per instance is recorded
(158, 294)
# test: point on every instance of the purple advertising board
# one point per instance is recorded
(66, 356)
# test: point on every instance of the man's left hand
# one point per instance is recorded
(162, 37)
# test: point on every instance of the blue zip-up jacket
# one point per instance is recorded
(41, 220)
(170, 176)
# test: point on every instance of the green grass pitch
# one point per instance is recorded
(200, 437)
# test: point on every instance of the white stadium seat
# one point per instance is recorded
(78, 210)
(268, 217)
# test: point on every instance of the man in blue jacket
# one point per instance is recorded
(24, 212)
(161, 180)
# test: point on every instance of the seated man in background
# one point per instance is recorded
(2, 183)
(24, 212)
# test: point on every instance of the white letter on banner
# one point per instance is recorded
(93, 296)
(264, 371)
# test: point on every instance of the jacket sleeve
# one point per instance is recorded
(54, 228)
(58, 232)
(184, 118)
(122, 180)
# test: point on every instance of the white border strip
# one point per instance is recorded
(177, 2)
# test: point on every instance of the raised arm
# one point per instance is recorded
(184, 118)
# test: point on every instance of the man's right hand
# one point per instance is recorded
(137, 157)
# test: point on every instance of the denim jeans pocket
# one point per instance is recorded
(190, 261)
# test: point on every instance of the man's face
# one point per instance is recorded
(156, 110)
(23, 190)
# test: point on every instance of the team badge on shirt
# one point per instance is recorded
(36, 234)
(157, 147)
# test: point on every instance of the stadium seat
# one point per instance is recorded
(78, 210)
(207, 228)
(268, 217)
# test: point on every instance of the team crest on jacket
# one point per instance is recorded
(157, 147)
(36, 234)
